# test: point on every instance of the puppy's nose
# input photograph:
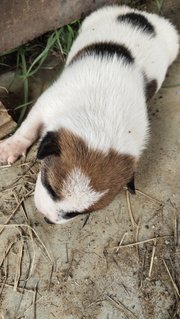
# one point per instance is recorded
(48, 221)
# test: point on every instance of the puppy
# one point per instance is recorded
(93, 120)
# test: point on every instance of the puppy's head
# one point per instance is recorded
(74, 179)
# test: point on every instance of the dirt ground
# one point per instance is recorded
(120, 263)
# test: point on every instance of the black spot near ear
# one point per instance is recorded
(151, 88)
(131, 186)
(139, 21)
(48, 146)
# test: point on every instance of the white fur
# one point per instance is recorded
(77, 196)
(100, 100)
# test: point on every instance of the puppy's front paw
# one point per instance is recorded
(12, 148)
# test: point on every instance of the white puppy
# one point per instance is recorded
(93, 119)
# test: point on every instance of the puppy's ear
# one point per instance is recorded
(131, 186)
(49, 146)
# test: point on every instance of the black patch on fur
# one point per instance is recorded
(72, 215)
(48, 221)
(131, 186)
(48, 146)
(46, 184)
(151, 88)
(139, 21)
(105, 50)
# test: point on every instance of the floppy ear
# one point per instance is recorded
(131, 186)
(48, 146)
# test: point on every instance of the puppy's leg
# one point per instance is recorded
(17, 144)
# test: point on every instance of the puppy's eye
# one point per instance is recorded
(51, 190)
(47, 185)
(73, 214)
(70, 215)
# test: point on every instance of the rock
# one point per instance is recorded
(6, 122)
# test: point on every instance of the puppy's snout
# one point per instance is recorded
(48, 221)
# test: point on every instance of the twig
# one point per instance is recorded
(148, 196)
(67, 255)
(176, 230)
(35, 233)
(142, 241)
(130, 210)
(50, 277)
(19, 289)
(6, 253)
(120, 306)
(18, 267)
(34, 301)
(20, 177)
(142, 269)
(152, 257)
(14, 211)
(5, 275)
(5, 166)
(25, 212)
(86, 220)
(172, 280)
(34, 253)
(2, 316)
(137, 235)
(5, 89)
(121, 241)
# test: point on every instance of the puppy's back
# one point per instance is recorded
(152, 40)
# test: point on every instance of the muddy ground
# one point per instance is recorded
(123, 262)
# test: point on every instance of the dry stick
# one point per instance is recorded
(120, 306)
(19, 289)
(20, 177)
(5, 89)
(5, 274)
(171, 278)
(6, 253)
(152, 258)
(25, 213)
(5, 166)
(26, 251)
(34, 254)
(130, 210)
(32, 241)
(9, 189)
(19, 302)
(137, 235)
(142, 269)
(19, 262)
(67, 254)
(32, 304)
(148, 196)
(121, 241)
(142, 241)
(14, 211)
(176, 231)
(2, 316)
(34, 301)
(6, 267)
(35, 233)
(50, 277)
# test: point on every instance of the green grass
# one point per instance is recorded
(29, 58)
(159, 4)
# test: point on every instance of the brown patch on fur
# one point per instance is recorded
(111, 171)
(151, 88)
